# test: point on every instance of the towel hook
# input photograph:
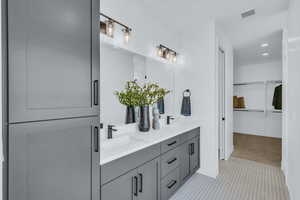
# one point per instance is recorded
(187, 93)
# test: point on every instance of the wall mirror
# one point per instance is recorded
(117, 66)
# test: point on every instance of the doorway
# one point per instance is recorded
(257, 98)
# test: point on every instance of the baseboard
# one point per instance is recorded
(228, 155)
(209, 173)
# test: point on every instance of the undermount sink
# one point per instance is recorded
(118, 141)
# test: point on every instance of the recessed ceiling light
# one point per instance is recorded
(264, 45)
(265, 54)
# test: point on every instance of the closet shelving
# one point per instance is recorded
(257, 82)
(264, 84)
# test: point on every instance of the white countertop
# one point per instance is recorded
(127, 143)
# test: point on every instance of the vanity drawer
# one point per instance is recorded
(170, 184)
(169, 161)
(121, 166)
(170, 144)
(190, 135)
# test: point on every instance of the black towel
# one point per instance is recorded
(277, 99)
(161, 106)
(186, 104)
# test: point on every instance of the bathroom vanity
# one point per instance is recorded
(149, 166)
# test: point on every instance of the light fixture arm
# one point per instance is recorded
(115, 21)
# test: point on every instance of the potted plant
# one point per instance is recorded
(148, 95)
(129, 98)
(142, 96)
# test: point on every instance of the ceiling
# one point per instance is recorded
(251, 53)
(246, 35)
(188, 13)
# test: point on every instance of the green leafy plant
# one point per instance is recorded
(129, 96)
(136, 95)
(150, 93)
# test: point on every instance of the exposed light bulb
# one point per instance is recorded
(160, 51)
(110, 28)
(174, 59)
(168, 56)
(126, 35)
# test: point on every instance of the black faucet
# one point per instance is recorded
(169, 118)
(110, 129)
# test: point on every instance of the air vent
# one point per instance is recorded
(248, 13)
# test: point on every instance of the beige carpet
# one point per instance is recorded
(238, 180)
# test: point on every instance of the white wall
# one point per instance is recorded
(269, 124)
(199, 75)
(293, 98)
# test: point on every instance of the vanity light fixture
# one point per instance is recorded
(167, 53)
(109, 28)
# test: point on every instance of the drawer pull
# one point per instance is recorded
(172, 143)
(141, 183)
(171, 161)
(135, 180)
(170, 185)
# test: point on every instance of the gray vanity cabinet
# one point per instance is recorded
(149, 177)
(189, 158)
(184, 161)
(138, 184)
(54, 160)
(53, 56)
(153, 173)
(122, 188)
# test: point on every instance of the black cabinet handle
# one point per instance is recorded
(96, 92)
(141, 183)
(172, 143)
(171, 161)
(193, 148)
(96, 139)
(190, 149)
(170, 185)
(135, 186)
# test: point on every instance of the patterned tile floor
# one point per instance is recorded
(238, 180)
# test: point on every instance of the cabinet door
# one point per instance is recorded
(53, 59)
(149, 181)
(123, 188)
(184, 161)
(194, 154)
(54, 160)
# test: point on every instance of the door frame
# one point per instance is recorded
(221, 103)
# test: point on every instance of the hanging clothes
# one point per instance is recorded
(277, 98)
(186, 103)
